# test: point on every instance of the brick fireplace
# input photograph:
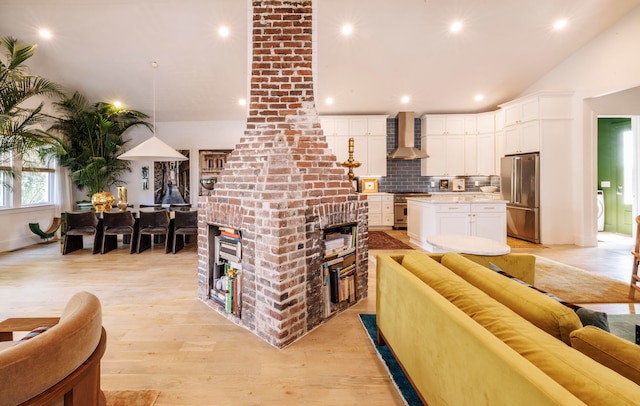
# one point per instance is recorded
(281, 188)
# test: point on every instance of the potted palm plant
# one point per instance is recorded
(20, 125)
(88, 138)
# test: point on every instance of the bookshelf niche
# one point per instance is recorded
(339, 267)
(226, 269)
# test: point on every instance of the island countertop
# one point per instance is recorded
(465, 215)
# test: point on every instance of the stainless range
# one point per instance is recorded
(400, 207)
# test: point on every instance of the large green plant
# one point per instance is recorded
(89, 139)
(19, 125)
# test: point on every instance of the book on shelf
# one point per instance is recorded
(334, 261)
(340, 252)
(229, 257)
(229, 232)
(334, 281)
(230, 249)
(347, 270)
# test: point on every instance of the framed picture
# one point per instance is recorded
(369, 185)
(444, 184)
(458, 185)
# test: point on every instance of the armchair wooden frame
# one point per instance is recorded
(81, 387)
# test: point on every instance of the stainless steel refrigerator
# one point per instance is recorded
(520, 186)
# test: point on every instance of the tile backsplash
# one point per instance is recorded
(404, 175)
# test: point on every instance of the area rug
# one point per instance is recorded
(131, 397)
(398, 377)
(624, 325)
(576, 285)
(379, 240)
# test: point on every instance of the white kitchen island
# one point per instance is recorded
(464, 215)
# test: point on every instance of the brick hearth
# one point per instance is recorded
(281, 186)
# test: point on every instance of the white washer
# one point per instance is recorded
(600, 210)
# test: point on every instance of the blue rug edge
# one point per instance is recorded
(396, 373)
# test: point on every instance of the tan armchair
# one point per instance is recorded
(58, 366)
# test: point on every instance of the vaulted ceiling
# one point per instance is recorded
(397, 48)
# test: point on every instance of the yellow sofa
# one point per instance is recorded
(459, 345)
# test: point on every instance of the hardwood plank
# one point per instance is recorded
(160, 336)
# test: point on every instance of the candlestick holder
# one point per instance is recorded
(350, 162)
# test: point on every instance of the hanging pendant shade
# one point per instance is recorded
(153, 149)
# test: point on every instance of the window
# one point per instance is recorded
(26, 183)
(5, 166)
(36, 182)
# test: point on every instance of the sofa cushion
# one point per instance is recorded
(544, 312)
(611, 351)
(521, 265)
(587, 317)
(589, 381)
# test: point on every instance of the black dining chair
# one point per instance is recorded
(155, 206)
(114, 224)
(78, 225)
(153, 223)
(185, 224)
(180, 207)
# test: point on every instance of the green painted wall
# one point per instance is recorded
(610, 168)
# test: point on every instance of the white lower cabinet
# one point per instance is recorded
(380, 209)
(489, 220)
(481, 219)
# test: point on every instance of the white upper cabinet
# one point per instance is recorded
(370, 141)
(377, 156)
(486, 123)
(448, 124)
(486, 150)
(520, 111)
(523, 118)
(446, 155)
(451, 140)
(334, 126)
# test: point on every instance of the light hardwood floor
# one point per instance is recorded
(160, 336)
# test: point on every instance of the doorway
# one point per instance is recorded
(615, 173)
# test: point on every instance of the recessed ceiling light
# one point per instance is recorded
(456, 26)
(328, 100)
(242, 102)
(45, 33)
(560, 24)
(223, 31)
(479, 97)
(405, 99)
(347, 29)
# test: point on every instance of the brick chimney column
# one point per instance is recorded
(280, 176)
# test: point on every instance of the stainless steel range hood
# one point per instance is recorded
(406, 145)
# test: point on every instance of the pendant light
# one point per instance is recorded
(153, 149)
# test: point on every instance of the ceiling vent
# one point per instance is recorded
(406, 145)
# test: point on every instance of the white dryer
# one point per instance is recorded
(600, 210)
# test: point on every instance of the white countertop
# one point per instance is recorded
(457, 199)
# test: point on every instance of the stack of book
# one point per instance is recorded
(339, 267)
(227, 275)
(229, 244)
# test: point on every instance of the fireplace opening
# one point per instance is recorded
(339, 268)
(225, 269)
